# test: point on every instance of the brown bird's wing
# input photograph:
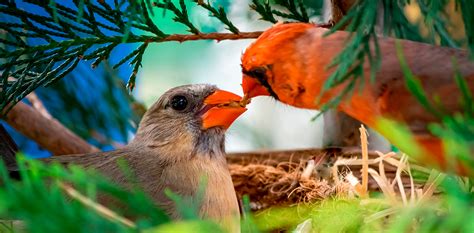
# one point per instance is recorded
(145, 170)
(433, 66)
(105, 163)
(96, 160)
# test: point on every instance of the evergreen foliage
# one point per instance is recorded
(85, 30)
(42, 41)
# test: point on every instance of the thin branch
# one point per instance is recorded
(131, 39)
(100, 209)
(76, 51)
(50, 134)
(210, 36)
(38, 105)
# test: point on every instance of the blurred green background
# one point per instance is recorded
(267, 124)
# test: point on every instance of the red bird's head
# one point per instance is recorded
(292, 62)
(274, 65)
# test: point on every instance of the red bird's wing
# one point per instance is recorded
(433, 67)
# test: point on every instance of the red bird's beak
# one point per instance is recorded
(221, 108)
(252, 87)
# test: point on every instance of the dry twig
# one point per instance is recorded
(100, 209)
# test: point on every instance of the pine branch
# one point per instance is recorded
(264, 10)
(181, 16)
(297, 13)
(137, 63)
(349, 63)
(65, 36)
(396, 23)
(219, 14)
(467, 9)
(432, 11)
(293, 10)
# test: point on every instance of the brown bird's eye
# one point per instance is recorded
(179, 102)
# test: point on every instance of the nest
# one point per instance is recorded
(267, 185)
(284, 178)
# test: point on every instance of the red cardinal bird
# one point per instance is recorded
(289, 62)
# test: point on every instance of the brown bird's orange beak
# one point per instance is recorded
(252, 87)
(221, 108)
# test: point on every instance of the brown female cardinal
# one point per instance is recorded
(290, 62)
(179, 141)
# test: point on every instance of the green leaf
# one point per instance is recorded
(187, 226)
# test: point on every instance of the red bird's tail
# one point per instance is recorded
(435, 153)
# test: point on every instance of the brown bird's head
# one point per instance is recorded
(276, 65)
(189, 119)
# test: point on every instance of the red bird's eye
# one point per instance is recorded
(259, 73)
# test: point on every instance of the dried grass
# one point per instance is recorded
(287, 183)
(290, 183)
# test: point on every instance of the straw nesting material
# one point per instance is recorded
(284, 184)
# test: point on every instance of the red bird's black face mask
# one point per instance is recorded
(255, 83)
